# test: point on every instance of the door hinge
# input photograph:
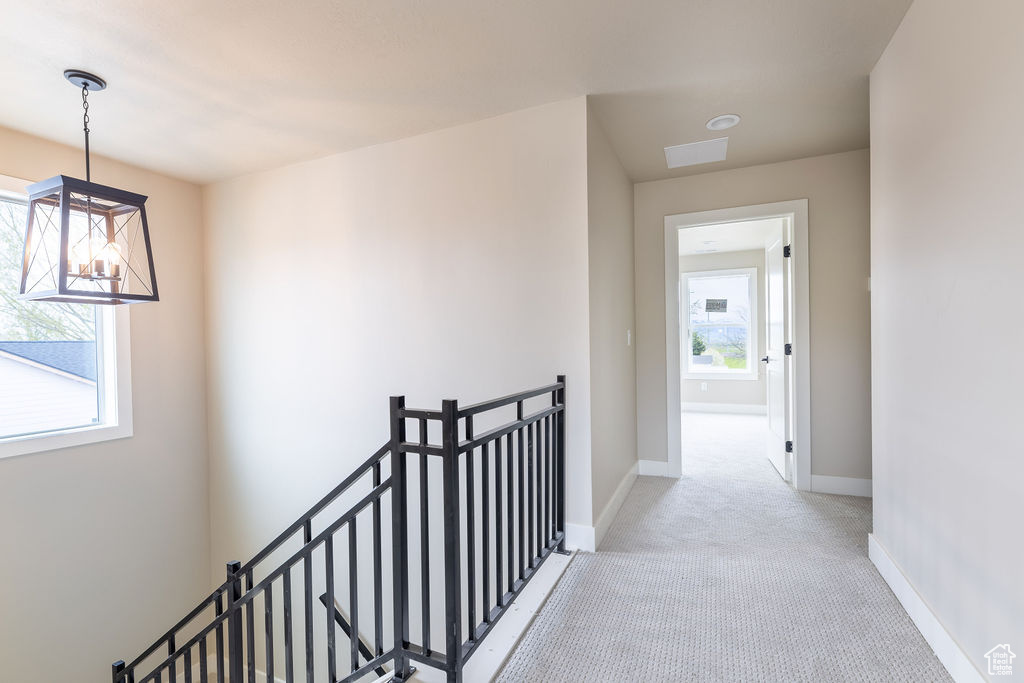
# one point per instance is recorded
(789, 349)
(786, 251)
(789, 446)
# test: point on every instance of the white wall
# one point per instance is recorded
(836, 187)
(107, 545)
(947, 169)
(448, 265)
(612, 324)
(744, 392)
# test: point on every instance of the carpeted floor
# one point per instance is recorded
(726, 574)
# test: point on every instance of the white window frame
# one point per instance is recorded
(113, 375)
(753, 364)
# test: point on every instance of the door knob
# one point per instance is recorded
(765, 359)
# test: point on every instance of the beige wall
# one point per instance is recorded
(836, 187)
(448, 265)
(612, 356)
(744, 392)
(947, 172)
(107, 545)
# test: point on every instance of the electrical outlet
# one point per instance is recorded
(703, 386)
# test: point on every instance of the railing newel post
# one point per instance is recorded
(560, 459)
(452, 549)
(115, 670)
(234, 621)
(399, 539)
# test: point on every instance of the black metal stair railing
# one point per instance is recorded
(501, 512)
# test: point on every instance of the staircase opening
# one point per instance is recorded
(410, 561)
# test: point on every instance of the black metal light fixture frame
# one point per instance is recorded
(116, 231)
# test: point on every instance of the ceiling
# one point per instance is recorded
(206, 90)
(738, 236)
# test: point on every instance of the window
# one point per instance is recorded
(722, 325)
(63, 374)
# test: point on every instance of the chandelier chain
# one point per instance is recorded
(85, 127)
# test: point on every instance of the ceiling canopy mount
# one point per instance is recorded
(84, 79)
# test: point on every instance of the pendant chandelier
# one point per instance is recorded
(85, 242)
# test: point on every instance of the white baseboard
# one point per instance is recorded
(611, 508)
(588, 538)
(952, 656)
(652, 468)
(580, 537)
(844, 486)
(503, 639)
(732, 408)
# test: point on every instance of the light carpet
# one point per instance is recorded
(726, 574)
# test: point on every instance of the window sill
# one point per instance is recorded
(727, 376)
(64, 438)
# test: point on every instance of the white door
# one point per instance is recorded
(775, 359)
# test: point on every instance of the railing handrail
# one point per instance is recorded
(333, 495)
(483, 406)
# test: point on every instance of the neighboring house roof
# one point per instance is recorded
(73, 357)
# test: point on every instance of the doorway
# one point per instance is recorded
(737, 330)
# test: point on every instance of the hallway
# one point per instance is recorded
(726, 574)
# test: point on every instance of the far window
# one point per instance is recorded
(58, 366)
(722, 326)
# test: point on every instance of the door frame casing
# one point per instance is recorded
(799, 295)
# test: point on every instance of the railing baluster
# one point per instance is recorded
(172, 669)
(510, 529)
(470, 534)
(542, 528)
(289, 654)
(268, 629)
(485, 528)
(307, 598)
(521, 493)
(353, 596)
(204, 667)
(219, 639)
(542, 487)
(188, 665)
(424, 545)
(530, 504)
(497, 524)
(548, 489)
(378, 588)
(332, 672)
(250, 631)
